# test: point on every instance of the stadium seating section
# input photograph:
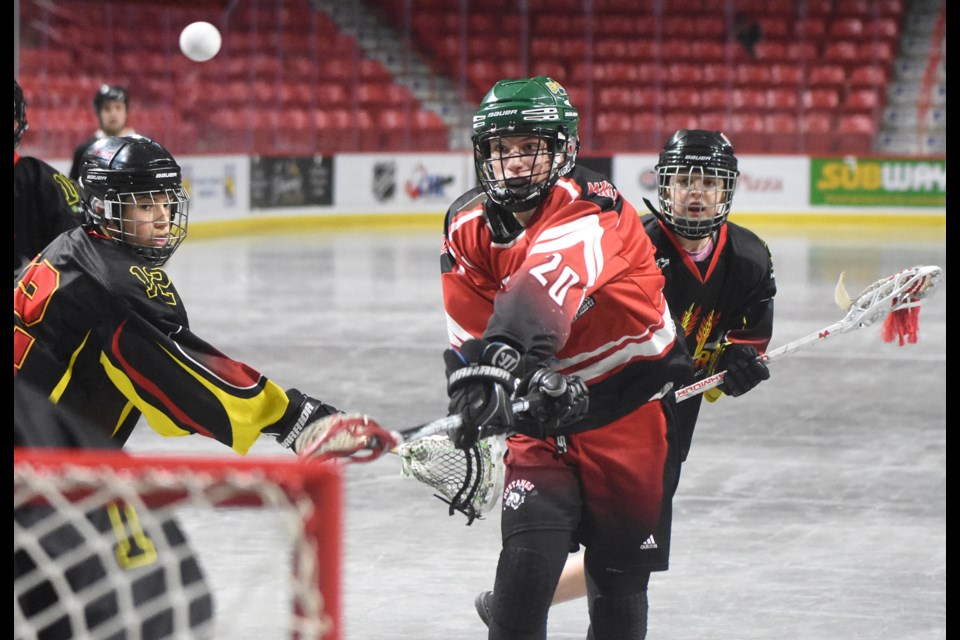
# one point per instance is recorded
(290, 81)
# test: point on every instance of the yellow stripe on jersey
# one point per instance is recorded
(248, 416)
(64, 381)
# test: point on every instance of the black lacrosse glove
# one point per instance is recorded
(301, 413)
(560, 401)
(481, 378)
(744, 369)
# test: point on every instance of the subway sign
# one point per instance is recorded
(873, 182)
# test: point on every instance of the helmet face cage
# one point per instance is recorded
(132, 188)
(115, 211)
(551, 155)
(19, 113)
(537, 108)
(696, 178)
(695, 200)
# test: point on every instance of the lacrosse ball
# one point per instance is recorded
(200, 41)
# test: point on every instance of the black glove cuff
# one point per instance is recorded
(298, 416)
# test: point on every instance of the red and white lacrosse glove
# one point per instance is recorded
(319, 431)
(344, 435)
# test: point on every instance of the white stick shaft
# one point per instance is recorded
(905, 289)
(448, 424)
(716, 379)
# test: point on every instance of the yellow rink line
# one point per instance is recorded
(861, 226)
(273, 224)
(928, 227)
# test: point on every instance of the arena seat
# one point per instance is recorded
(719, 74)
(855, 134)
(868, 75)
(862, 101)
(707, 51)
(782, 100)
(752, 75)
(684, 74)
(774, 27)
(816, 132)
(781, 130)
(613, 130)
(821, 59)
(841, 52)
(749, 131)
(715, 99)
(789, 75)
(821, 99)
(772, 50)
(682, 98)
(846, 28)
(830, 76)
(749, 99)
(879, 51)
(617, 97)
(810, 28)
(647, 97)
(648, 131)
(715, 120)
(679, 119)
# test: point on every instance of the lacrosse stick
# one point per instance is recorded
(469, 481)
(896, 299)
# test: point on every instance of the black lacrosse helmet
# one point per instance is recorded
(19, 113)
(108, 92)
(696, 156)
(116, 172)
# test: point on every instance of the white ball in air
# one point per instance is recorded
(200, 41)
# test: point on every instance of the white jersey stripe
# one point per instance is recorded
(649, 344)
(457, 334)
(464, 218)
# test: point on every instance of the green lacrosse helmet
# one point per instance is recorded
(537, 107)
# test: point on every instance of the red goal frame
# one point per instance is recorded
(319, 484)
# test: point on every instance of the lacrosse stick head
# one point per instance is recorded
(896, 299)
(470, 481)
(352, 436)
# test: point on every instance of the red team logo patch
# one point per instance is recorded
(603, 189)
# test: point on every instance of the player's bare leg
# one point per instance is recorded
(573, 583)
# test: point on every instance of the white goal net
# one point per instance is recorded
(109, 546)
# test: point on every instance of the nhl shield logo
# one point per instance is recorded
(384, 180)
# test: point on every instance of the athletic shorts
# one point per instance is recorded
(612, 489)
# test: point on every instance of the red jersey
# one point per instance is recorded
(577, 287)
